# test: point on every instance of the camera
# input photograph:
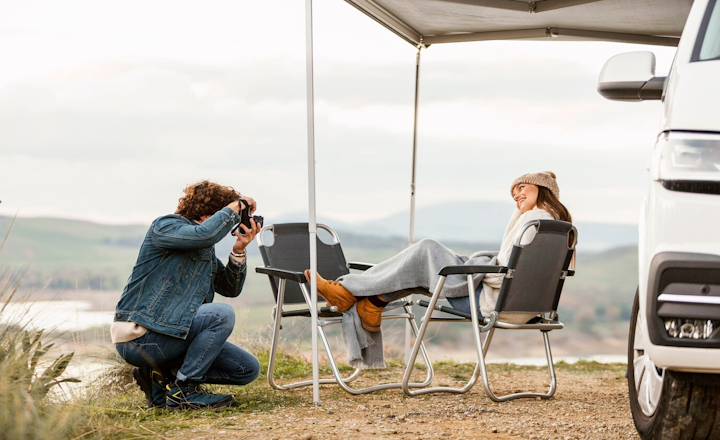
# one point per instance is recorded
(245, 218)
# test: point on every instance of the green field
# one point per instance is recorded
(74, 256)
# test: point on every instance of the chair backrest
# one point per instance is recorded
(291, 251)
(538, 268)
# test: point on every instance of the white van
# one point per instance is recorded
(674, 344)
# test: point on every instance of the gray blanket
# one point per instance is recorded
(416, 269)
(364, 349)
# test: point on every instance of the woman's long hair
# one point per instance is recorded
(547, 201)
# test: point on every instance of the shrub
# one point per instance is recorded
(27, 374)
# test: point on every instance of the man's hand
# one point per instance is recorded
(252, 202)
(237, 206)
(244, 240)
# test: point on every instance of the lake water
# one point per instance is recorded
(55, 315)
(78, 315)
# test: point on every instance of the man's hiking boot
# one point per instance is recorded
(152, 384)
(333, 292)
(193, 396)
(370, 310)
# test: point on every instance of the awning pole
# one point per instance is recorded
(312, 223)
(411, 236)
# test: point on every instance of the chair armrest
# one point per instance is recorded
(571, 273)
(467, 270)
(331, 311)
(360, 266)
(280, 273)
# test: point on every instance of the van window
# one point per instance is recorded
(710, 45)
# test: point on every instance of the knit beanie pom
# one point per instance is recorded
(545, 179)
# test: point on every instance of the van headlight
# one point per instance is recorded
(687, 162)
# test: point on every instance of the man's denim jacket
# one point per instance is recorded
(177, 271)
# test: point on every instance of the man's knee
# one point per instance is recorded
(247, 369)
(253, 369)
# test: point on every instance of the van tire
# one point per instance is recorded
(688, 407)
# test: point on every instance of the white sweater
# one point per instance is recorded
(491, 282)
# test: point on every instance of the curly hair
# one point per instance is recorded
(205, 198)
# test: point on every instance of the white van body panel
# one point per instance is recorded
(691, 360)
(689, 91)
(682, 222)
(692, 98)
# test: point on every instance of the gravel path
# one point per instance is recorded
(590, 403)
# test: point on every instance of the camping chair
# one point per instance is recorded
(285, 260)
(532, 284)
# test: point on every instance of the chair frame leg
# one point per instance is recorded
(506, 397)
(481, 349)
(274, 346)
(338, 379)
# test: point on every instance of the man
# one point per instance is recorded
(166, 324)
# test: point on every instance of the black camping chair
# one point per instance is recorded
(285, 261)
(532, 285)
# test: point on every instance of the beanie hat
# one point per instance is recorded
(545, 179)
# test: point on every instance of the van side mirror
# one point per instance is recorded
(631, 77)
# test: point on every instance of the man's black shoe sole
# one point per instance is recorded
(145, 384)
(229, 400)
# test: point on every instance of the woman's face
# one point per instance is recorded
(525, 196)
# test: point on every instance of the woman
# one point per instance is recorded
(415, 269)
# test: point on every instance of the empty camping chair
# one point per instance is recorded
(285, 260)
(532, 285)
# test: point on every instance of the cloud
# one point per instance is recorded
(111, 117)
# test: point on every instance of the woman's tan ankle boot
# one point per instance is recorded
(370, 309)
(334, 293)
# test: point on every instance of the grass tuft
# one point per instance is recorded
(28, 373)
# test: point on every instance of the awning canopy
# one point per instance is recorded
(427, 22)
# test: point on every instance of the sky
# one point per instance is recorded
(109, 109)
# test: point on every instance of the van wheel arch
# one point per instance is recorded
(688, 406)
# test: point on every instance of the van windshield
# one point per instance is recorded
(710, 46)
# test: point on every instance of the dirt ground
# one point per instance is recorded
(588, 404)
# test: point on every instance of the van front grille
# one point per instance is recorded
(693, 186)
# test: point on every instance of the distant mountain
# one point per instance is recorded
(75, 253)
(472, 221)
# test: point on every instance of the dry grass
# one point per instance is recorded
(28, 372)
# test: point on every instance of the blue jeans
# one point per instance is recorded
(204, 356)
(461, 303)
